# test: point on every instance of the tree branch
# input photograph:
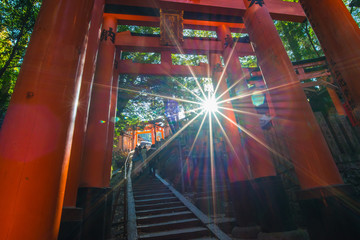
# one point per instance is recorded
(18, 39)
(310, 39)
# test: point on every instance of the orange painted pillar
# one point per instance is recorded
(153, 135)
(325, 201)
(238, 169)
(36, 136)
(135, 138)
(309, 152)
(97, 131)
(339, 36)
(255, 145)
(77, 148)
(273, 214)
(113, 106)
(336, 101)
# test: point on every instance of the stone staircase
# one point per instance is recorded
(163, 213)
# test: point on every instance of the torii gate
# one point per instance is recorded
(43, 148)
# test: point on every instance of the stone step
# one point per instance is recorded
(151, 191)
(204, 238)
(161, 210)
(149, 186)
(170, 225)
(185, 234)
(146, 196)
(158, 205)
(164, 217)
(154, 200)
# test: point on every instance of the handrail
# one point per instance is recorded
(131, 227)
(207, 221)
(126, 163)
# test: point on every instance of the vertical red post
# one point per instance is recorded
(339, 36)
(336, 101)
(255, 145)
(77, 148)
(93, 194)
(36, 136)
(135, 140)
(309, 152)
(97, 131)
(112, 121)
(238, 168)
(273, 215)
(153, 138)
(324, 199)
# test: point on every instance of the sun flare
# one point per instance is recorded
(210, 105)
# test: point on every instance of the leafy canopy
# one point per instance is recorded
(17, 20)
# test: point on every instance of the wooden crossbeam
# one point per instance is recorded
(203, 70)
(279, 10)
(303, 73)
(125, 41)
(151, 21)
(128, 67)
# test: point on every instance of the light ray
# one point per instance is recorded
(258, 92)
(231, 145)
(157, 95)
(225, 67)
(252, 136)
(197, 135)
(212, 164)
(229, 88)
(168, 141)
(243, 112)
(182, 85)
(193, 110)
(181, 51)
(193, 145)
(298, 166)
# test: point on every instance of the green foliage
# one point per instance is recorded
(119, 158)
(188, 59)
(139, 29)
(299, 40)
(142, 57)
(199, 33)
(248, 61)
(17, 20)
(353, 7)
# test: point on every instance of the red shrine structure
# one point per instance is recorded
(56, 139)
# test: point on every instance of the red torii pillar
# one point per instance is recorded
(70, 225)
(112, 121)
(36, 136)
(323, 191)
(75, 165)
(336, 101)
(260, 159)
(99, 113)
(339, 36)
(109, 150)
(237, 167)
(93, 191)
(264, 180)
